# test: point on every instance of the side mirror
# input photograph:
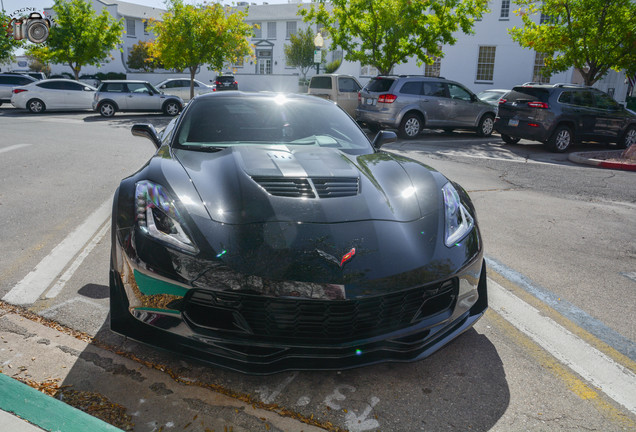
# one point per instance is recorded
(384, 137)
(163, 86)
(88, 89)
(146, 130)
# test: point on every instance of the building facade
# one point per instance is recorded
(487, 59)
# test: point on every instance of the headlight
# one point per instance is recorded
(158, 217)
(458, 221)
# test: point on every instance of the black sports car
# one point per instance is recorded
(268, 233)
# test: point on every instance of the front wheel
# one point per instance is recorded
(171, 108)
(107, 109)
(509, 139)
(560, 140)
(411, 126)
(36, 106)
(628, 139)
(486, 126)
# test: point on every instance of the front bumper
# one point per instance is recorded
(266, 334)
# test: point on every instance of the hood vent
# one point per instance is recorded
(324, 187)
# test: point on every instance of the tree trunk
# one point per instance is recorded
(193, 71)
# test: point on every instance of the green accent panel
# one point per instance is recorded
(151, 286)
(163, 311)
(44, 411)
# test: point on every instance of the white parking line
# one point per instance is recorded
(29, 289)
(616, 381)
(13, 147)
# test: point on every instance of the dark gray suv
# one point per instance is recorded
(560, 114)
(410, 103)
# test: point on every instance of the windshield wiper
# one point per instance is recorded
(202, 148)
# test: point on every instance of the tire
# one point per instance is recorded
(628, 139)
(509, 139)
(36, 106)
(411, 126)
(171, 108)
(486, 125)
(560, 140)
(107, 109)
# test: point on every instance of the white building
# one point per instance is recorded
(486, 59)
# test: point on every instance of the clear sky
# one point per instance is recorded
(11, 5)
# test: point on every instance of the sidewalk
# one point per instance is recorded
(603, 159)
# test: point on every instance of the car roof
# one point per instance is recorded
(125, 81)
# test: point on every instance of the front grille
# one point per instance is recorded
(325, 187)
(319, 320)
(286, 187)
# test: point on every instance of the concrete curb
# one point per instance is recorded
(594, 158)
(44, 411)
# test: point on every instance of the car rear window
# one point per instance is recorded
(226, 78)
(379, 84)
(320, 83)
(528, 94)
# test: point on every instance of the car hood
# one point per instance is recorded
(258, 184)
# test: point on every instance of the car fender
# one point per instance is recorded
(410, 108)
(171, 99)
(107, 100)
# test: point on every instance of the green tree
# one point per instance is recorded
(593, 36)
(7, 43)
(300, 51)
(140, 57)
(383, 33)
(192, 35)
(80, 36)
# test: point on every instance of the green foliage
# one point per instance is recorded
(383, 33)
(7, 43)
(333, 66)
(300, 51)
(193, 35)
(80, 36)
(593, 36)
(140, 57)
(38, 66)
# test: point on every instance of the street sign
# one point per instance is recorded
(317, 56)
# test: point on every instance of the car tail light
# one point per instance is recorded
(217, 83)
(235, 83)
(16, 91)
(502, 101)
(359, 97)
(533, 124)
(537, 104)
(387, 98)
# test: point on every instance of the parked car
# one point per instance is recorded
(342, 89)
(9, 81)
(53, 94)
(181, 87)
(268, 233)
(225, 82)
(410, 103)
(560, 114)
(129, 95)
(492, 96)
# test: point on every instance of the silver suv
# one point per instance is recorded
(128, 95)
(410, 103)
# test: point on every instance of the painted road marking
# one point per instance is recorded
(616, 381)
(629, 275)
(29, 289)
(13, 147)
(70, 271)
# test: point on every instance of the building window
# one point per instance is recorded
(239, 63)
(505, 9)
(545, 19)
(433, 70)
(271, 30)
(368, 70)
(146, 27)
(291, 29)
(486, 63)
(539, 65)
(264, 62)
(130, 26)
(258, 32)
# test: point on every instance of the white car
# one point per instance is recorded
(181, 87)
(53, 94)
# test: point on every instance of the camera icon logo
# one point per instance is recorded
(35, 28)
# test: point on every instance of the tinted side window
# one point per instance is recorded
(412, 88)
(138, 88)
(113, 88)
(347, 85)
(53, 85)
(379, 84)
(604, 101)
(320, 83)
(24, 80)
(436, 89)
(457, 92)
